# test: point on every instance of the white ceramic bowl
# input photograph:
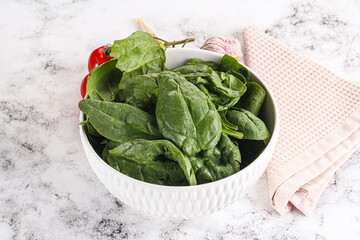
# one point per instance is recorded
(188, 201)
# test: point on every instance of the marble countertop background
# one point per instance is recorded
(47, 188)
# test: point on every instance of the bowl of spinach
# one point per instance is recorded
(176, 132)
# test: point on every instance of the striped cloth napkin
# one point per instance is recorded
(319, 121)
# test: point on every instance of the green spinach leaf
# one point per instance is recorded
(185, 115)
(229, 128)
(224, 90)
(193, 71)
(139, 52)
(213, 65)
(253, 98)
(226, 85)
(229, 63)
(89, 128)
(218, 162)
(109, 146)
(157, 161)
(233, 83)
(118, 121)
(103, 81)
(226, 122)
(237, 75)
(252, 127)
(141, 91)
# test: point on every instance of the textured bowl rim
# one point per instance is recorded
(273, 139)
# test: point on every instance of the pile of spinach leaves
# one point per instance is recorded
(184, 126)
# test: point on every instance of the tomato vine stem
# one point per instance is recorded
(173, 43)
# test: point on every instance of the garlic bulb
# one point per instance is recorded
(225, 45)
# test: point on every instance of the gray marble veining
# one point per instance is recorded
(47, 188)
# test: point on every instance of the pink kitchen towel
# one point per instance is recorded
(319, 121)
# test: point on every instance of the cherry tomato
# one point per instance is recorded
(98, 57)
(83, 86)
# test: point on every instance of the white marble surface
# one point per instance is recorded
(47, 189)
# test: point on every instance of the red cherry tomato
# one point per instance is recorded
(98, 57)
(83, 86)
